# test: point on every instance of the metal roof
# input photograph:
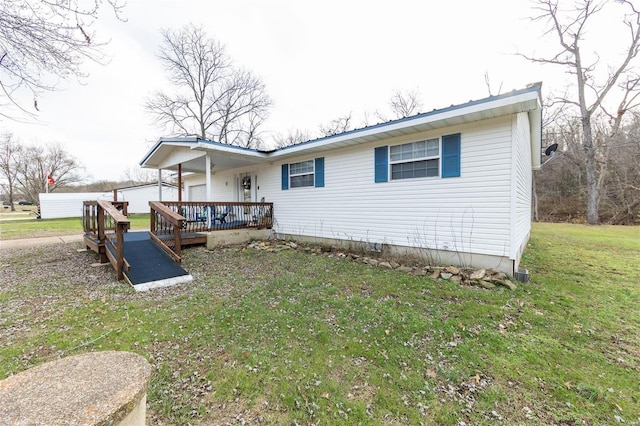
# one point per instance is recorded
(226, 156)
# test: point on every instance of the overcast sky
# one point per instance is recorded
(319, 60)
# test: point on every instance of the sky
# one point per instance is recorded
(319, 60)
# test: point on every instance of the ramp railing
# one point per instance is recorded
(105, 224)
(116, 224)
(166, 229)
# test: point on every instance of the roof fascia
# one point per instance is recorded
(158, 144)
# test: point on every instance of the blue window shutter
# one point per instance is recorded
(451, 155)
(285, 176)
(319, 176)
(382, 164)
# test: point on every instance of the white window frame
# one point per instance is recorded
(312, 173)
(426, 158)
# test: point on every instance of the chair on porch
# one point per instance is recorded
(221, 214)
(202, 215)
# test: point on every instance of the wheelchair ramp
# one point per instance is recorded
(151, 267)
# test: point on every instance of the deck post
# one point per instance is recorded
(119, 252)
(101, 234)
(152, 218)
(180, 182)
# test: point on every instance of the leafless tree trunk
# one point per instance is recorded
(10, 153)
(40, 38)
(212, 99)
(570, 30)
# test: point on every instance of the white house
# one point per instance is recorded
(453, 184)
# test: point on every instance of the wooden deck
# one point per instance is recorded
(173, 225)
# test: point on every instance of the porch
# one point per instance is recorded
(173, 225)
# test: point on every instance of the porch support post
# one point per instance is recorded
(207, 172)
(159, 184)
(180, 182)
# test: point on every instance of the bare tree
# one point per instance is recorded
(212, 99)
(10, 154)
(137, 175)
(570, 29)
(336, 126)
(44, 38)
(487, 82)
(403, 103)
(292, 137)
(37, 163)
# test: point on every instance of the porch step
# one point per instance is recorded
(151, 267)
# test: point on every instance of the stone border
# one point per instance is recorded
(485, 278)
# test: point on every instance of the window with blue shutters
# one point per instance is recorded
(435, 157)
(303, 174)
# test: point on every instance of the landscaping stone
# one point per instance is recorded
(385, 265)
(485, 284)
(478, 274)
(506, 283)
(445, 275)
(452, 270)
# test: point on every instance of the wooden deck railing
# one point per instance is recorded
(90, 219)
(105, 224)
(166, 228)
(177, 223)
(206, 216)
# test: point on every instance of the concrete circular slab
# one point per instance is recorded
(96, 388)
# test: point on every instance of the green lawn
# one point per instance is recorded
(14, 227)
(297, 337)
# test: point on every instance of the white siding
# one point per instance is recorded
(470, 213)
(58, 205)
(223, 187)
(197, 193)
(139, 197)
(521, 186)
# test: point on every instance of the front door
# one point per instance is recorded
(246, 187)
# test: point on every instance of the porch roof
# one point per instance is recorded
(191, 151)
